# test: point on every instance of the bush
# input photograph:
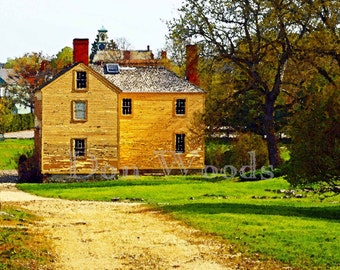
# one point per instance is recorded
(21, 122)
(217, 153)
(248, 155)
(263, 173)
(28, 171)
(246, 143)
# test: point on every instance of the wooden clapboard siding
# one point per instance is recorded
(57, 128)
(144, 140)
(151, 129)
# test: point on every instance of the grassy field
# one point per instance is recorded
(254, 216)
(10, 151)
(19, 247)
(257, 217)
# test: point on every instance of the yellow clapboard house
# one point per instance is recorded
(100, 120)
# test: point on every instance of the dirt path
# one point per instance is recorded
(25, 134)
(108, 235)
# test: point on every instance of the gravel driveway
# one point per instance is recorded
(110, 235)
(26, 134)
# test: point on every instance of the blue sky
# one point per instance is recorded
(48, 25)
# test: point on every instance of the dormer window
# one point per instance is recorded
(111, 69)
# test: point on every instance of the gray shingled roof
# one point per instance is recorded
(8, 76)
(148, 79)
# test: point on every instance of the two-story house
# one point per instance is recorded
(95, 121)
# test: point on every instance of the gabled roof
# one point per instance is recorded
(137, 80)
(69, 68)
(8, 76)
(66, 69)
(148, 80)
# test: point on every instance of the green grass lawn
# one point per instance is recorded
(10, 151)
(20, 248)
(303, 233)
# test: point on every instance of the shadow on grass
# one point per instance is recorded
(328, 212)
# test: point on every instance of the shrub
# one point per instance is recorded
(20, 122)
(217, 153)
(28, 171)
(220, 153)
(246, 143)
(260, 174)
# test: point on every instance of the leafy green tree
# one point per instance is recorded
(264, 44)
(63, 58)
(5, 114)
(315, 147)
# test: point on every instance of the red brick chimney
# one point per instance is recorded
(81, 50)
(43, 65)
(127, 55)
(192, 64)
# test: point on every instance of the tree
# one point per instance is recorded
(32, 70)
(111, 45)
(263, 43)
(94, 48)
(5, 114)
(120, 44)
(315, 147)
(25, 70)
(315, 128)
(63, 58)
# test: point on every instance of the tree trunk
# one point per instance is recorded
(269, 124)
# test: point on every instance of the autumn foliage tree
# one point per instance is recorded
(32, 70)
(25, 71)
